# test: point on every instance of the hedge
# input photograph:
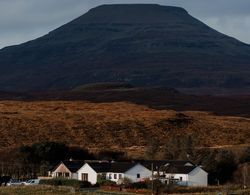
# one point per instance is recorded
(66, 182)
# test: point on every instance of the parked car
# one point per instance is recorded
(14, 182)
(31, 182)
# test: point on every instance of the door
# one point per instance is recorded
(85, 177)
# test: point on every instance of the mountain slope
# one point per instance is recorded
(141, 44)
(119, 125)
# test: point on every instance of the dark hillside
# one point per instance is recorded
(145, 45)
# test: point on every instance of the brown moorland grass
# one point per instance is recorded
(118, 126)
(37, 190)
(61, 190)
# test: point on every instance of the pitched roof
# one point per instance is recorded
(115, 167)
(158, 164)
(99, 167)
(121, 167)
(73, 166)
(180, 169)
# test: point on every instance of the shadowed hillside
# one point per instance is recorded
(145, 45)
(155, 97)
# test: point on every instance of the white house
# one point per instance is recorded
(181, 172)
(187, 175)
(135, 172)
(116, 172)
(67, 169)
(90, 171)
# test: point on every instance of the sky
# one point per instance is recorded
(24, 20)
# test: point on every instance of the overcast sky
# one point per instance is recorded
(23, 20)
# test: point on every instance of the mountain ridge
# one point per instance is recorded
(141, 44)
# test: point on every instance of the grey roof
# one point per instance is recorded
(121, 167)
(180, 169)
(73, 166)
(159, 164)
(115, 167)
(100, 167)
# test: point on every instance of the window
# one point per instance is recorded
(59, 174)
(138, 175)
(120, 176)
(110, 176)
(180, 178)
(115, 176)
(85, 177)
(66, 174)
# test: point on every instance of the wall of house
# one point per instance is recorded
(182, 179)
(63, 170)
(92, 175)
(198, 177)
(111, 176)
(74, 176)
(138, 169)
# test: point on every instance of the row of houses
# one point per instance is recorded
(181, 172)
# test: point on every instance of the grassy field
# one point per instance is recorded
(36, 190)
(50, 190)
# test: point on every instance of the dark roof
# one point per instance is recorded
(115, 167)
(158, 164)
(73, 166)
(121, 167)
(100, 167)
(180, 169)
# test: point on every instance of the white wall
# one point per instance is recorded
(138, 169)
(117, 180)
(74, 176)
(92, 175)
(197, 177)
(177, 176)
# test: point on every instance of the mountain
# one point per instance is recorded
(141, 44)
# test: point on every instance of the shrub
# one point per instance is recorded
(139, 185)
(66, 182)
(107, 183)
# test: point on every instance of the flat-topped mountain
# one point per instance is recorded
(141, 44)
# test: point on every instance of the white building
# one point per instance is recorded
(67, 169)
(90, 171)
(116, 172)
(182, 173)
(187, 176)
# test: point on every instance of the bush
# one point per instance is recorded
(107, 183)
(192, 190)
(66, 182)
(139, 185)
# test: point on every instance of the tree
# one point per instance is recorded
(245, 156)
(152, 149)
(79, 154)
(179, 148)
(111, 155)
(226, 166)
(38, 157)
(50, 151)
